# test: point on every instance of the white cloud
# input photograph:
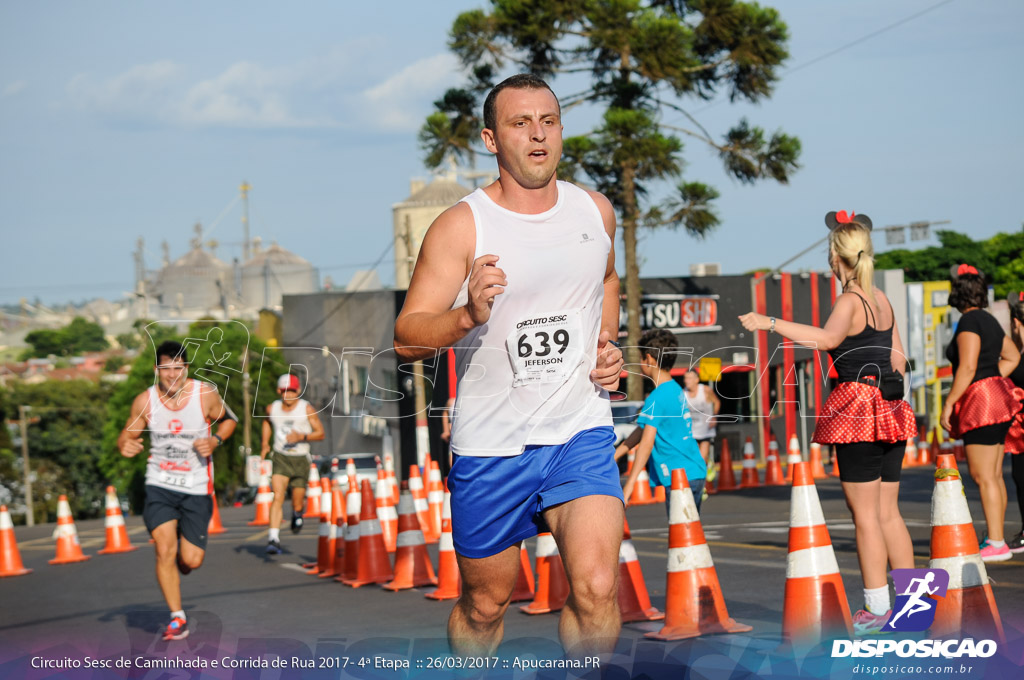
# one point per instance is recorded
(142, 90)
(14, 88)
(402, 101)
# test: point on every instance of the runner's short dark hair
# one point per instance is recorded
(968, 290)
(660, 344)
(171, 349)
(520, 81)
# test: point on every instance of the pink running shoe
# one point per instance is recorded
(866, 623)
(990, 553)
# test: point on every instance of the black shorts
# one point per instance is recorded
(192, 512)
(990, 435)
(867, 461)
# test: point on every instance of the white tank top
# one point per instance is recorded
(173, 464)
(285, 422)
(524, 376)
(701, 412)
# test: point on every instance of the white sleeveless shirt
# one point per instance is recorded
(524, 376)
(285, 422)
(173, 464)
(701, 413)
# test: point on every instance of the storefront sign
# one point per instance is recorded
(676, 313)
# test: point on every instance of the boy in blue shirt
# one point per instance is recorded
(667, 441)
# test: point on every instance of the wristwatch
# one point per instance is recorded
(772, 329)
(218, 438)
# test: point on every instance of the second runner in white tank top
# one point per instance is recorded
(285, 422)
(524, 376)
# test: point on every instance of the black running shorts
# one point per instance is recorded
(867, 461)
(190, 510)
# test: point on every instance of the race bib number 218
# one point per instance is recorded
(545, 348)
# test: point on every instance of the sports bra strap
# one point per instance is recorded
(867, 310)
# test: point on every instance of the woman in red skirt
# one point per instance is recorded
(981, 404)
(869, 433)
(1015, 437)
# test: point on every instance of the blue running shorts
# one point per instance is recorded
(497, 501)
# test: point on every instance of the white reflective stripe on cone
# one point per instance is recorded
(949, 506)
(325, 528)
(5, 521)
(406, 505)
(682, 509)
(688, 559)
(332, 531)
(369, 527)
(421, 504)
(446, 542)
(115, 520)
(749, 462)
(408, 538)
(546, 546)
(627, 553)
(313, 490)
(354, 503)
(805, 508)
(436, 497)
(415, 484)
(387, 512)
(351, 532)
(965, 571)
(819, 561)
(265, 497)
(748, 447)
(112, 502)
(64, 530)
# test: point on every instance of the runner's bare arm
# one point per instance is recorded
(1009, 357)
(215, 412)
(427, 322)
(968, 344)
(265, 434)
(609, 357)
(318, 428)
(129, 442)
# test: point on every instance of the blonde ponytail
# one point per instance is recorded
(851, 242)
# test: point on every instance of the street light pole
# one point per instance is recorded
(23, 417)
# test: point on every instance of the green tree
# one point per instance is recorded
(81, 335)
(64, 436)
(1000, 257)
(645, 59)
(216, 350)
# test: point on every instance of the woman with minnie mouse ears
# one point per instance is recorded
(1015, 437)
(982, 403)
(868, 430)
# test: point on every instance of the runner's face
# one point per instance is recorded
(171, 374)
(690, 380)
(289, 396)
(528, 138)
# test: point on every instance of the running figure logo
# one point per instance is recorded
(914, 609)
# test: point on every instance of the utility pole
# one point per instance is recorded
(246, 246)
(419, 384)
(29, 513)
(246, 406)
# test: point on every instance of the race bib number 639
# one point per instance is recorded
(545, 348)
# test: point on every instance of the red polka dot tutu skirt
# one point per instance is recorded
(986, 402)
(856, 412)
(1015, 437)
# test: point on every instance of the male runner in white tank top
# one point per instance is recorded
(520, 279)
(292, 423)
(177, 412)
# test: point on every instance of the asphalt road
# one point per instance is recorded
(244, 605)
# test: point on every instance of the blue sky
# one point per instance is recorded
(124, 119)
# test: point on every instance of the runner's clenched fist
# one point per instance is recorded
(485, 282)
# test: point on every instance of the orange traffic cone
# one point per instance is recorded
(313, 492)
(922, 450)
(419, 496)
(726, 478)
(834, 472)
(374, 566)
(435, 499)
(817, 467)
(449, 581)
(634, 602)
(694, 604)
(335, 533)
(910, 454)
(936, 448)
(389, 519)
(325, 547)
(750, 477)
(412, 562)
(68, 548)
(815, 601)
(215, 526)
(524, 590)
(642, 494)
(969, 608)
(264, 498)
(659, 494)
(350, 468)
(117, 535)
(353, 505)
(552, 585)
(10, 558)
(958, 451)
(773, 466)
(793, 457)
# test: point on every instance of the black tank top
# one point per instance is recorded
(866, 353)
